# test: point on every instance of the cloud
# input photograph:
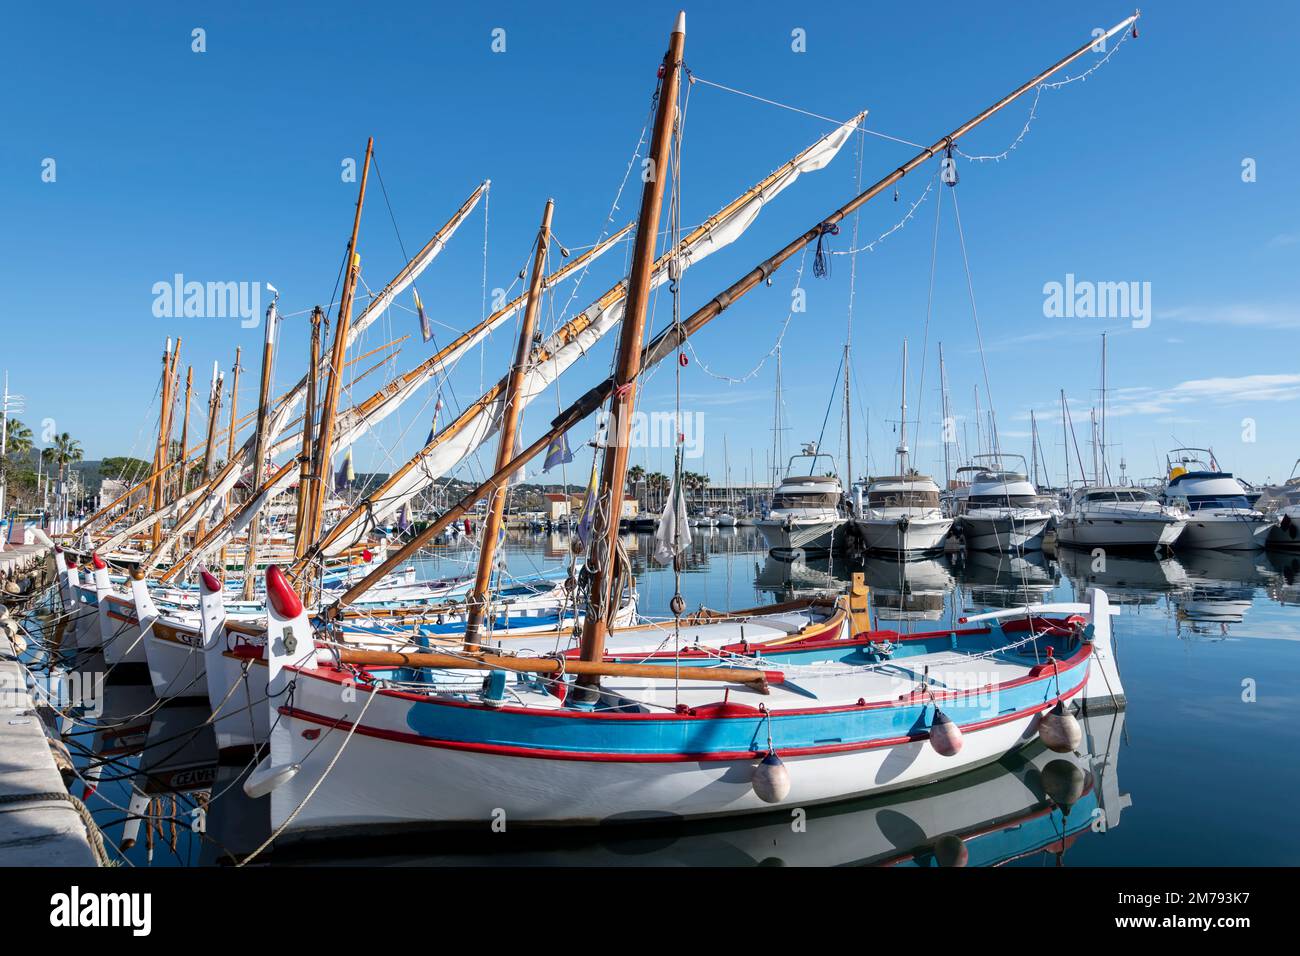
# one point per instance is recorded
(1221, 390)
(1251, 315)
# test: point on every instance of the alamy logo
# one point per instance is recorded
(1084, 299)
(208, 300)
(74, 908)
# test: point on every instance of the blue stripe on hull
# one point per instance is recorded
(613, 735)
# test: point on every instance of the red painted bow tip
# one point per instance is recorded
(100, 563)
(281, 593)
(210, 583)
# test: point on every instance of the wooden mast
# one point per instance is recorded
(259, 448)
(602, 604)
(506, 440)
(305, 497)
(230, 439)
(210, 446)
(671, 338)
(158, 485)
(185, 429)
(329, 406)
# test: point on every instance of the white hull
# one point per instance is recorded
(800, 534)
(1226, 533)
(917, 536)
(120, 638)
(1118, 532)
(430, 785)
(1009, 532)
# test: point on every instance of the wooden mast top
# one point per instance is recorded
(601, 603)
(330, 403)
(510, 406)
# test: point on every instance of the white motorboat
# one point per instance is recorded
(1219, 512)
(805, 511)
(901, 516)
(1000, 511)
(1119, 517)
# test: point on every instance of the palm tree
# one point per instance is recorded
(634, 476)
(64, 452)
(18, 440)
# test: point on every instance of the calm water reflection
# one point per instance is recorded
(1209, 649)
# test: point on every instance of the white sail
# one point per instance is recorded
(417, 265)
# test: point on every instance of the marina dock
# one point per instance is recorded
(39, 823)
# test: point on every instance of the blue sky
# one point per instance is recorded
(225, 166)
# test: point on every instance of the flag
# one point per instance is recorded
(558, 453)
(673, 536)
(346, 475)
(404, 518)
(588, 508)
(433, 428)
(425, 330)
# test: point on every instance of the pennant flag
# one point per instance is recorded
(588, 508)
(346, 475)
(404, 518)
(425, 330)
(433, 428)
(673, 536)
(558, 453)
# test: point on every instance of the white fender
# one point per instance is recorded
(137, 809)
(1104, 692)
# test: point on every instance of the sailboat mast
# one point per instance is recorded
(259, 453)
(210, 442)
(1033, 446)
(1065, 441)
(902, 417)
(848, 421)
(185, 429)
(306, 489)
(510, 407)
(947, 420)
(329, 406)
(602, 603)
(230, 437)
(1104, 468)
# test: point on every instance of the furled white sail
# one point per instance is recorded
(673, 536)
(417, 265)
(480, 421)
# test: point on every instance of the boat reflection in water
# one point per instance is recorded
(1131, 580)
(1029, 807)
(1220, 589)
(1005, 580)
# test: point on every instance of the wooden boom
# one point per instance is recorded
(750, 677)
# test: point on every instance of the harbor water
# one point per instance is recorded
(1198, 770)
